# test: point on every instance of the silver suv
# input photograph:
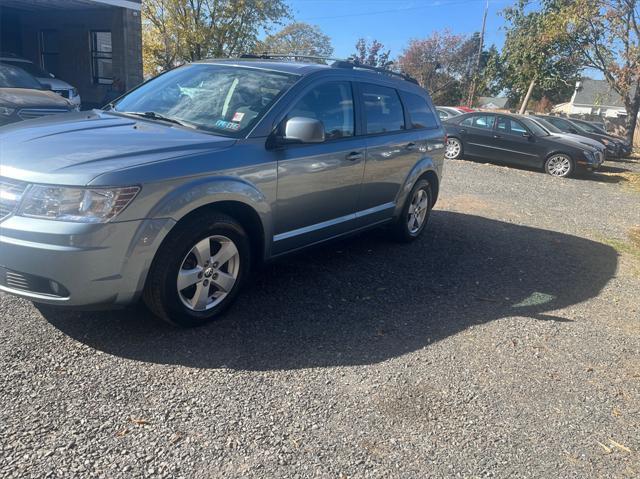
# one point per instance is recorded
(172, 192)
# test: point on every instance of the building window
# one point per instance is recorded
(49, 50)
(101, 58)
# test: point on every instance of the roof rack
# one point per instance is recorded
(337, 63)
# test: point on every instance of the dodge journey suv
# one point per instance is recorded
(172, 192)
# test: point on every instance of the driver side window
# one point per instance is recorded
(332, 104)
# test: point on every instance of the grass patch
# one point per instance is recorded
(632, 182)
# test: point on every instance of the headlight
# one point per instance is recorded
(81, 205)
(73, 92)
(4, 111)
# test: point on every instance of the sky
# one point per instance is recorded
(395, 22)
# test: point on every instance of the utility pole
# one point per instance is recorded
(472, 88)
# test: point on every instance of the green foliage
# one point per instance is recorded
(605, 35)
(300, 38)
(534, 51)
(177, 31)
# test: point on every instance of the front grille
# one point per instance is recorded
(11, 192)
(63, 93)
(29, 113)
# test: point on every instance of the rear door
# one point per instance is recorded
(391, 150)
(477, 135)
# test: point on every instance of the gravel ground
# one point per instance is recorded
(504, 343)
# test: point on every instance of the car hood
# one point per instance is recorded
(28, 98)
(74, 148)
(56, 83)
(569, 142)
(581, 139)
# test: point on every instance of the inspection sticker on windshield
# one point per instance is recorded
(237, 116)
(227, 125)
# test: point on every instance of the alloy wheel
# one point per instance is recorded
(559, 165)
(208, 273)
(453, 149)
(418, 209)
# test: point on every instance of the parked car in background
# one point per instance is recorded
(60, 87)
(446, 112)
(570, 136)
(22, 97)
(612, 145)
(625, 146)
(518, 140)
(465, 109)
(174, 191)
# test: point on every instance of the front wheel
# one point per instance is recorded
(415, 213)
(559, 165)
(198, 270)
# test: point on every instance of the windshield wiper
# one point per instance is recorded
(152, 115)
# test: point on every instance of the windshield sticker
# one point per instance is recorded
(227, 125)
(237, 116)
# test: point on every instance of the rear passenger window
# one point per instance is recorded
(484, 121)
(419, 111)
(332, 104)
(382, 108)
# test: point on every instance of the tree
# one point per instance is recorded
(372, 54)
(536, 57)
(444, 64)
(606, 35)
(188, 30)
(300, 38)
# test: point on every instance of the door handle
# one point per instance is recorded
(462, 130)
(354, 156)
(410, 146)
(497, 136)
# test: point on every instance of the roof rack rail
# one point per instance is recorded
(337, 63)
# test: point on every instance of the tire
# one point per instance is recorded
(186, 286)
(420, 194)
(453, 149)
(559, 165)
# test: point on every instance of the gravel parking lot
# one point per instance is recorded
(504, 343)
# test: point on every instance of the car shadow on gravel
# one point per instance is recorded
(364, 300)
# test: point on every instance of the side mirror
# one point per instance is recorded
(303, 130)
(526, 134)
(573, 130)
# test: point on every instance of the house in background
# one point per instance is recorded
(492, 102)
(593, 97)
(95, 45)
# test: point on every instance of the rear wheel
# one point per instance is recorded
(559, 165)
(415, 213)
(453, 150)
(198, 270)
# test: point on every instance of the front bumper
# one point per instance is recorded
(76, 264)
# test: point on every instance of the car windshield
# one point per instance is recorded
(12, 77)
(548, 126)
(221, 99)
(29, 67)
(590, 128)
(536, 129)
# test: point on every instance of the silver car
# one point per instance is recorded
(175, 190)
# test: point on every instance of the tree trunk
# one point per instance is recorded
(632, 106)
(527, 97)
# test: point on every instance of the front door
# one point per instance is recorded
(514, 143)
(318, 184)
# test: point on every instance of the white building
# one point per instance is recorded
(593, 97)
